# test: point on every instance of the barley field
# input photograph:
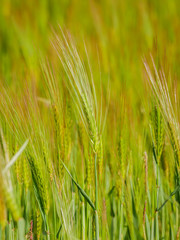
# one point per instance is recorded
(89, 119)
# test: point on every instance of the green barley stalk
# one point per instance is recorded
(38, 224)
(85, 98)
(157, 130)
(40, 183)
(146, 192)
(163, 100)
(26, 174)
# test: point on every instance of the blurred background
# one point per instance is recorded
(118, 32)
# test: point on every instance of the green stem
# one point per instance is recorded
(83, 220)
(54, 212)
(152, 222)
(90, 229)
(47, 227)
(96, 199)
(157, 198)
(163, 223)
(121, 221)
(83, 207)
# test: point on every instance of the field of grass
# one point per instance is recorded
(89, 119)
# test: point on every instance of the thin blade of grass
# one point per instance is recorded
(80, 189)
(170, 196)
(15, 157)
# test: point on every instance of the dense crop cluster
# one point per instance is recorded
(89, 120)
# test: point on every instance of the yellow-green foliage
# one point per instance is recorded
(38, 224)
(91, 121)
(11, 203)
(93, 87)
(48, 161)
(19, 170)
(174, 142)
(26, 174)
(157, 128)
(40, 182)
(122, 150)
(2, 210)
(100, 158)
